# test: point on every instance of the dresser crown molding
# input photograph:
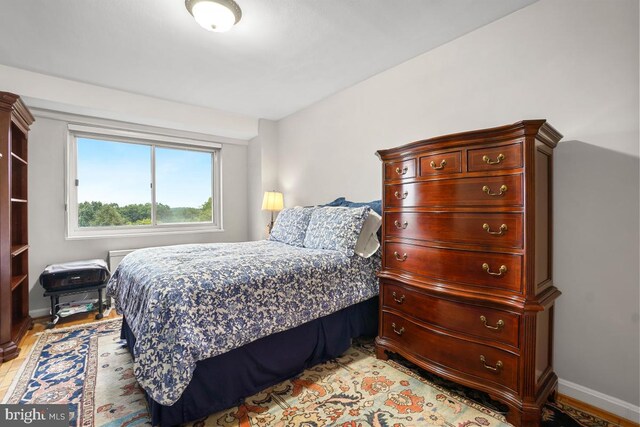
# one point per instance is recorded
(539, 128)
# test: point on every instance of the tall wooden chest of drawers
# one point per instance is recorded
(465, 284)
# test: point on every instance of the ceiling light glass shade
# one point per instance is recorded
(214, 15)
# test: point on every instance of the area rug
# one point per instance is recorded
(356, 390)
(89, 368)
(555, 414)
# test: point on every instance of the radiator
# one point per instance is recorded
(116, 256)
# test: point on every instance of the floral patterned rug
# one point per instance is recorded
(356, 390)
(555, 414)
(90, 369)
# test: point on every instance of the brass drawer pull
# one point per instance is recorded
(400, 226)
(487, 228)
(489, 367)
(498, 326)
(402, 171)
(503, 269)
(503, 189)
(397, 331)
(398, 300)
(402, 258)
(443, 163)
(488, 161)
(401, 196)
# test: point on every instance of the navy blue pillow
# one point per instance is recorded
(375, 205)
(337, 202)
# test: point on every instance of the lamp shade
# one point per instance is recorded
(272, 201)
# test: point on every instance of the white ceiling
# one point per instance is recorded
(282, 56)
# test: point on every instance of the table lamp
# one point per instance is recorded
(273, 202)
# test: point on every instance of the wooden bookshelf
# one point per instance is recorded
(18, 158)
(17, 281)
(15, 120)
(18, 249)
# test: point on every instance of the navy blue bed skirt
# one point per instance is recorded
(223, 381)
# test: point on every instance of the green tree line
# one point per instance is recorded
(98, 214)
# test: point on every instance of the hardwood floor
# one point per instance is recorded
(8, 370)
(596, 412)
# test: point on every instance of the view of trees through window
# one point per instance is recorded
(98, 214)
(114, 184)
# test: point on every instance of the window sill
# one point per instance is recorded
(115, 234)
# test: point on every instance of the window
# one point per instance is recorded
(125, 183)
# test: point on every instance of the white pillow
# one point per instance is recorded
(368, 242)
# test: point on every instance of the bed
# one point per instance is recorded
(210, 324)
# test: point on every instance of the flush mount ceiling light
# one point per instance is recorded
(214, 15)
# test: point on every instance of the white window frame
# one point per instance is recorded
(74, 231)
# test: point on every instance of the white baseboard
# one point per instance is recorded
(39, 312)
(600, 400)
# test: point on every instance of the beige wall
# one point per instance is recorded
(573, 62)
(263, 170)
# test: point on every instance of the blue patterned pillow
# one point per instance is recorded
(335, 228)
(291, 226)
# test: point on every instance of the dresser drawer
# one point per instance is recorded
(502, 230)
(483, 191)
(479, 360)
(494, 270)
(437, 164)
(495, 158)
(400, 170)
(469, 319)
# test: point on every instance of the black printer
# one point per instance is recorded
(74, 275)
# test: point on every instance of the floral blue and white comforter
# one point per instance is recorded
(190, 302)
